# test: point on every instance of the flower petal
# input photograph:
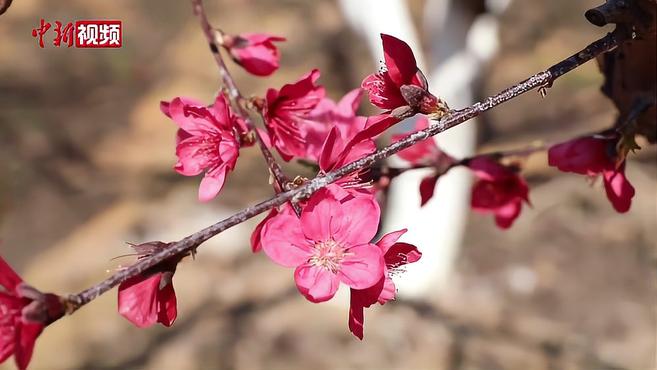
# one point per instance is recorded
(192, 116)
(211, 184)
(362, 267)
(400, 254)
(359, 223)
(427, 188)
(389, 239)
(399, 59)
(283, 241)
(322, 217)
(167, 305)
(506, 215)
(356, 314)
(26, 335)
(618, 188)
(138, 299)
(388, 292)
(348, 105)
(317, 284)
(9, 279)
(382, 91)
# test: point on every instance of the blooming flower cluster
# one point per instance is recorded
(329, 238)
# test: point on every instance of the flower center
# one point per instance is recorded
(328, 254)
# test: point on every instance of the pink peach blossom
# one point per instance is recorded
(205, 142)
(328, 244)
(498, 190)
(255, 52)
(401, 69)
(285, 110)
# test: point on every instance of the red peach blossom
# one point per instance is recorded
(149, 297)
(425, 153)
(329, 114)
(328, 244)
(498, 190)
(285, 110)
(593, 156)
(255, 52)
(401, 87)
(395, 255)
(24, 312)
(205, 142)
(401, 69)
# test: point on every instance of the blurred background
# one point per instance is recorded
(86, 165)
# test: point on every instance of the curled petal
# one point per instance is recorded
(427, 188)
(192, 116)
(331, 150)
(618, 188)
(257, 53)
(388, 292)
(164, 108)
(167, 305)
(389, 239)
(317, 284)
(400, 254)
(399, 59)
(221, 112)
(212, 184)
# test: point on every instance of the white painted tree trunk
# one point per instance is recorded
(459, 49)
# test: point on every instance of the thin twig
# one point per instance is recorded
(234, 93)
(539, 80)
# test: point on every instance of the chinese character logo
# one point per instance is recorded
(98, 34)
(86, 33)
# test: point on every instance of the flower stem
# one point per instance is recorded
(214, 40)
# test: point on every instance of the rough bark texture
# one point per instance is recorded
(630, 70)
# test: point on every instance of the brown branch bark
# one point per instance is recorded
(540, 80)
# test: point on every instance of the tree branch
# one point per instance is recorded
(540, 80)
(214, 40)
